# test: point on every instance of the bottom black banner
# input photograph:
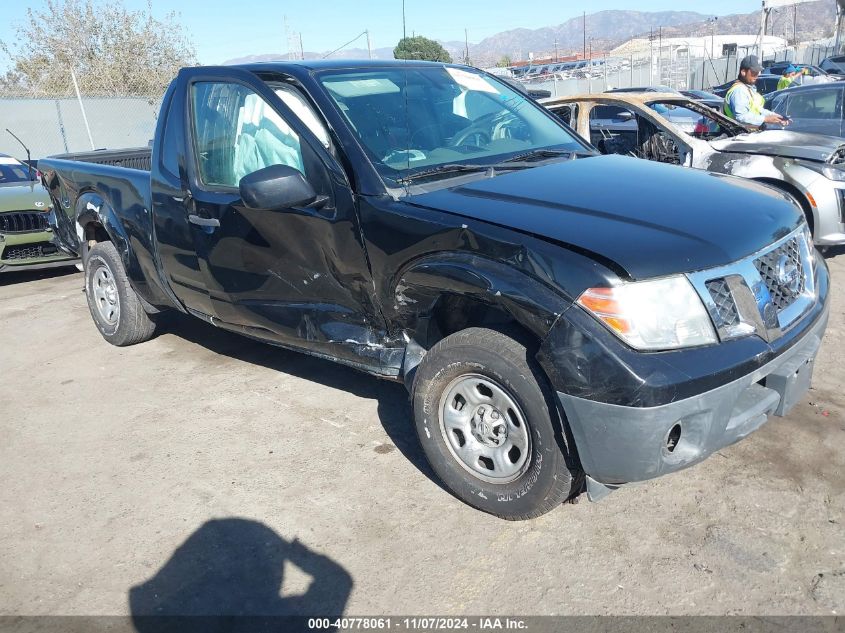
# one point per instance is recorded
(428, 624)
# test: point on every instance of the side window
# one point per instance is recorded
(568, 114)
(815, 104)
(603, 112)
(294, 100)
(778, 104)
(170, 143)
(237, 133)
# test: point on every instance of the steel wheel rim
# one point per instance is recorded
(485, 429)
(106, 299)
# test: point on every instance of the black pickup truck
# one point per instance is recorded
(563, 320)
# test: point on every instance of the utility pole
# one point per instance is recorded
(287, 37)
(659, 54)
(557, 57)
(651, 55)
(713, 38)
(369, 44)
(466, 48)
(301, 49)
(584, 56)
(404, 34)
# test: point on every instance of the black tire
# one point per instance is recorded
(114, 306)
(549, 476)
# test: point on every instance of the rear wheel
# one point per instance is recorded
(488, 425)
(114, 306)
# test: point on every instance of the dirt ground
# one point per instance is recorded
(204, 473)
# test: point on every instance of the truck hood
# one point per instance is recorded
(649, 219)
(23, 197)
(815, 147)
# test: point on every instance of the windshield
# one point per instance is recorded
(12, 170)
(416, 119)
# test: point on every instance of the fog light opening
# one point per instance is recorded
(673, 438)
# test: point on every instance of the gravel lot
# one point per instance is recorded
(202, 472)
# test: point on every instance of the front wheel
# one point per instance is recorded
(114, 306)
(488, 425)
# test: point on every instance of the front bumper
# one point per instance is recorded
(829, 212)
(620, 444)
(30, 251)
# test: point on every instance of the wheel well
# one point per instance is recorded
(795, 193)
(453, 313)
(95, 232)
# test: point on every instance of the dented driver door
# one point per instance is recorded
(296, 275)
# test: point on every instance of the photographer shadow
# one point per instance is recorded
(228, 576)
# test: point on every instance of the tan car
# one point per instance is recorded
(670, 128)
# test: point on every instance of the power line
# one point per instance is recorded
(354, 39)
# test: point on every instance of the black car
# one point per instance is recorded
(834, 65)
(765, 84)
(534, 93)
(816, 108)
(707, 98)
(779, 67)
(558, 317)
(643, 89)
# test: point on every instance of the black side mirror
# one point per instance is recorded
(276, 187)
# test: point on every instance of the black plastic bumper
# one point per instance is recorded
(636, 416)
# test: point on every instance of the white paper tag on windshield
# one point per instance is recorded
(471, 81)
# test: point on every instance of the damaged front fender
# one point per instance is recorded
(484, 282)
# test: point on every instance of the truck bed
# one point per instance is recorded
(139, 158)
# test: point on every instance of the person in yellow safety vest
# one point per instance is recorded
(744, 103)
(789, 75)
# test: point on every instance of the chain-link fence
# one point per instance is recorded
(679, 68)
(65, 115)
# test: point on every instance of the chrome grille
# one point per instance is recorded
(765, 293)
(726, 311)
(22, 222)
(775, 265)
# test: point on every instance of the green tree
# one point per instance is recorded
(421, 48)
(504, 62)
(112, 50)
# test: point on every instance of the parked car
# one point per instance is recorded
(833, 65)
(810, 71)
(809, 168)
(765, 84)
(534, 93)
(615, 119)
(26, 239)
(555, 314)
(816, 108)
(707, 98)
(660, 89)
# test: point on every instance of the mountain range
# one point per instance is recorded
(609, 29)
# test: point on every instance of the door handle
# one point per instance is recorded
(210, 222)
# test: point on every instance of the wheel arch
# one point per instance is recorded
(810, 212)
(96, 221)
(439, 295)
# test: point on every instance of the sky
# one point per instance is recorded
(226, 29)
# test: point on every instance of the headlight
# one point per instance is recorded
(834, 173)
(652, 315)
